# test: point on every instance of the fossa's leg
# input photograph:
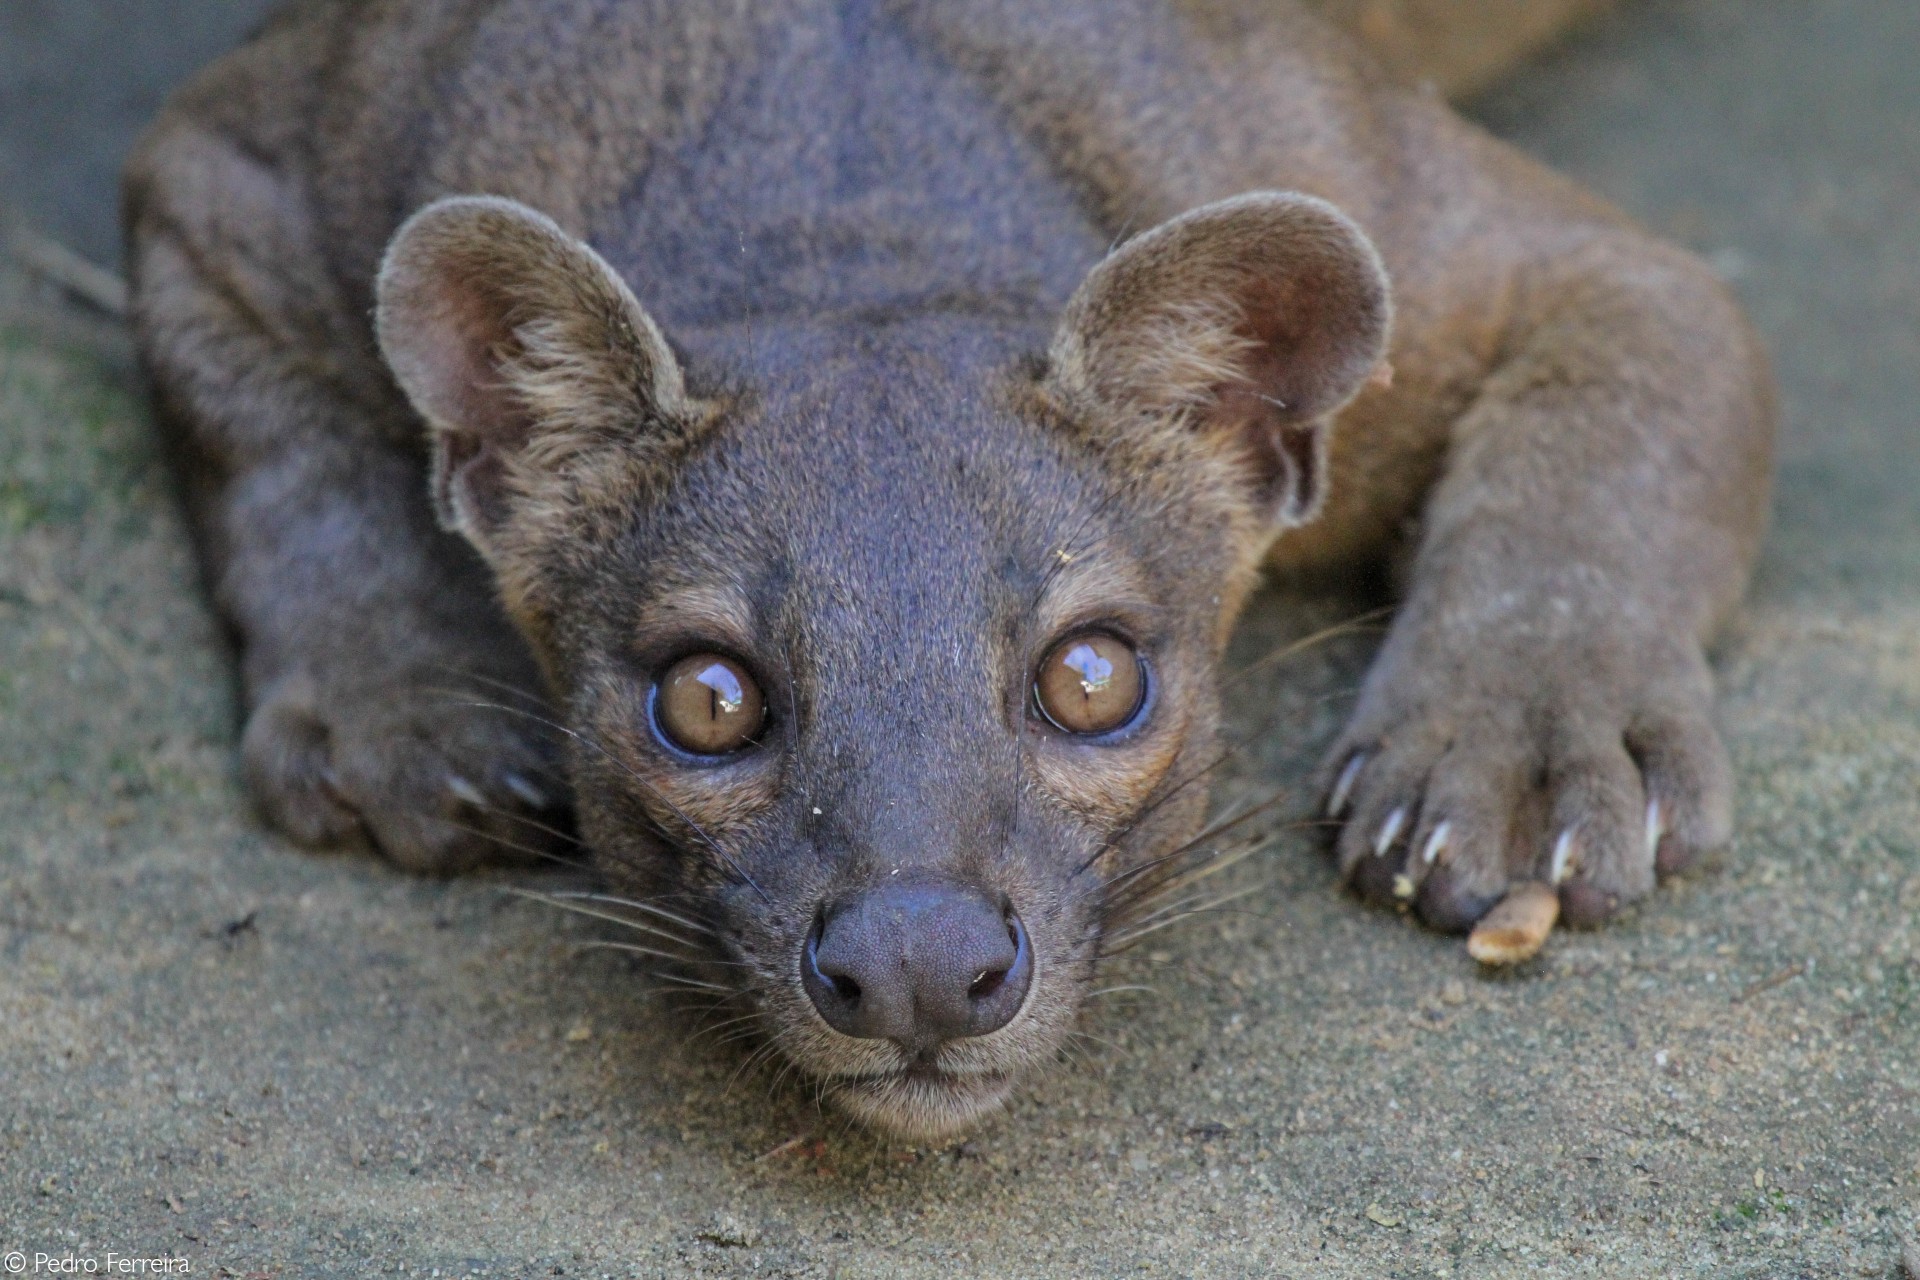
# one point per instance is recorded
(366, 634)
(1542, 708)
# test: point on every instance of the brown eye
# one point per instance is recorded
(1090, 683)
(708, 705)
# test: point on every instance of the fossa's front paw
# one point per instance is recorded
(1589, 763)
(437, 778)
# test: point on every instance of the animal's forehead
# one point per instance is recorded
(885, 458)
(929, 545)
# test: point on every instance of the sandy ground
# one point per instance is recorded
(270, 1063)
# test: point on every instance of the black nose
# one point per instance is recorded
(919, 963)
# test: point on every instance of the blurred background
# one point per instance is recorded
(78, 81)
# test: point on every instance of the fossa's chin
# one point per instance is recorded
(923, 1106)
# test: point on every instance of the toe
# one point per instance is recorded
(432, 819)
(1450, 901)
(1375, 877)
(442, 792)
(1458, 870)
(1372, 844)
(1689, 787)
(1594, 849)
(526, 812)
(287, 760)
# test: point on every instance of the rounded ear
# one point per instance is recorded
(1252, 321)
(526, 354)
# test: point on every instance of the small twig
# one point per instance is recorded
(52, 261)
(791, 1144)
(43, 591)
(1781, 978)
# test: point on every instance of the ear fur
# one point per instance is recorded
(1250, 321)
(538, 373)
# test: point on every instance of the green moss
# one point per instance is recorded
(72, 441)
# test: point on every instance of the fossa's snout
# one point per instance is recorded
(920, 962)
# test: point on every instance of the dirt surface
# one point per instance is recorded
(218, 1048)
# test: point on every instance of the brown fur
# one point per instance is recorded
(879, 344)
(1456, 46)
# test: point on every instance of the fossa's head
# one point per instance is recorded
(889, 642)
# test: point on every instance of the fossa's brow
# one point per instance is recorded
(1085, 586)
(722, 612)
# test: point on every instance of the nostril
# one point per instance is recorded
(986, 984)
(1000, 988)
(841, 985)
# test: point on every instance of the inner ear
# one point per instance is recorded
(1250, 322)
(1285, 458)
(525, 352)
(1313, 326)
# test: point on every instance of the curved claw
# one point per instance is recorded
(1389, 832)
(1565, 855)
(1343, 785)
(465, 791)
(529, 795)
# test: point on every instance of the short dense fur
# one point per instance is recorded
(878, 344)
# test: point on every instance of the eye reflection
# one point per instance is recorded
(1096, 673)
(728, 697)
(708, 705)
(1090, 683)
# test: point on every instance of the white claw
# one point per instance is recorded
(532, 796)
(1343, 785)
(466, 791)
(1562, 858)
(1656, 828)
(1389, 831)
(1436, 842)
